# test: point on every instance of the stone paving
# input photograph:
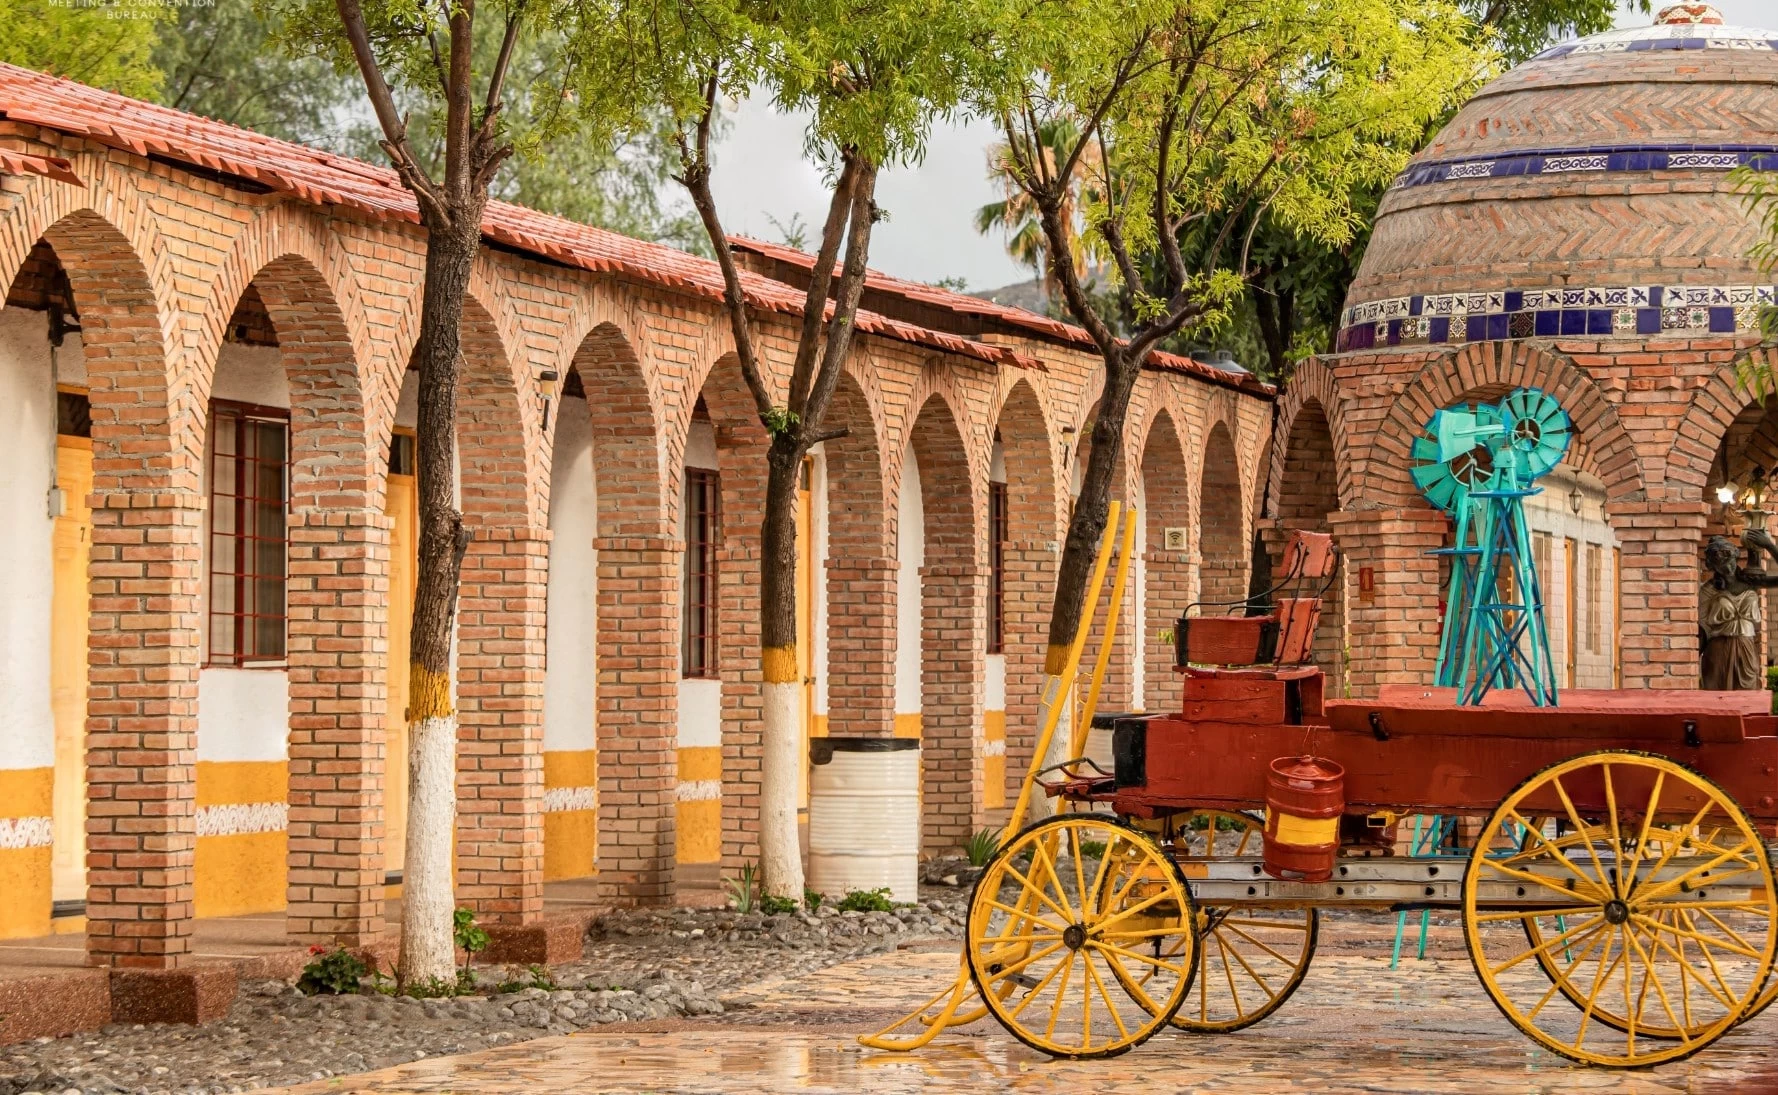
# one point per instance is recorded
(1355, 1026)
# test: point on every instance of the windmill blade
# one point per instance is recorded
(1539, 429)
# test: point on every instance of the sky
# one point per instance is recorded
(761, 173)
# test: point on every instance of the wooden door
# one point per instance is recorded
(68, 668)
(404, 546)
(1571, 605)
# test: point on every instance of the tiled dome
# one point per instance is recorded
(1583, 193)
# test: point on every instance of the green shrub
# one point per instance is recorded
(536, 977)
(811, 899)
(743, 892)
(773, 905)
(335, 972)
(866, 901)
(981, 847)
(1092, 849)
(468, 936)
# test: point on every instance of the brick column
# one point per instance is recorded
(142, 728)
(1392, 632)
(1659, 542)
(953, 626)
(338, 648)
(1030, 592)
(638, 727)
(861, 647)
(500, 724)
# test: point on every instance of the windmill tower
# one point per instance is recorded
(1479, 464)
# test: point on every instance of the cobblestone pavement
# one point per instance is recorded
(1355, 1026)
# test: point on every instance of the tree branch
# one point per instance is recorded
(382, 101)
(850, 291)
(833, 231)
(515, 16)
(695, 177)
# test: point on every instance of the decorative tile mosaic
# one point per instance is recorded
(1563, 161)
(1666, 36)
(1622, 310)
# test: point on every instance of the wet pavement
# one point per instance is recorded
(1355, 1026)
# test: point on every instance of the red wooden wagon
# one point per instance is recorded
(1614, 883)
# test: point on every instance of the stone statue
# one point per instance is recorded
(1729, 615)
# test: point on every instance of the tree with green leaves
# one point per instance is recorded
(1016, 214)
(430, 51)
(1202, 117)
(872, 76)
(94, 44)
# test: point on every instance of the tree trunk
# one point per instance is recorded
(781, 760)
(427, 949)
(1085, 532)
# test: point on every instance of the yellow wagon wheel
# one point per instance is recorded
(1250, 960)
(1071, 905)
(1551, 959)
(1668, 914)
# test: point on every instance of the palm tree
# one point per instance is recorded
(1017, 215)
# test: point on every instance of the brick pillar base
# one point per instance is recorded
(861, 647)
(142, 724)
(953, 635)
(1391, 631)
(500, 724)
(338, 644)
(1169, 577)
(1658, 631)
(638, 727)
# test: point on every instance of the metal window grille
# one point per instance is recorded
(249, 494)
(997, 520)
(702, 532)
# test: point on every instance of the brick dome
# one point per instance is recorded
(1584, 192)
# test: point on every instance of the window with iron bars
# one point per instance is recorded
(702, 532)
(997, 520)
(249, 493)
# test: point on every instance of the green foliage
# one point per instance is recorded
(335, 972)
(743, 892)
(865, 901)
(99, 44)
(811, 899)
(436, 988)
(1759, 189)
(779, 420)
(773, 905)
(981, 846)
(1522, 28)
(1092, 849)
(469, 937)
(536, 977)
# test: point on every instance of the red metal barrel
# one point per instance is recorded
(1304, 799)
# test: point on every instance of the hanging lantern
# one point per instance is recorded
(1305, 797)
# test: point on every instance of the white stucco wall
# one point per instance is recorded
(910, 554)
(571, 637)
(700, 699)
(27, 536)
(243, 714)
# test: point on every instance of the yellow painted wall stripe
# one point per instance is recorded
(908, 726)
(235, 782)
(27, 792)
(571, 768)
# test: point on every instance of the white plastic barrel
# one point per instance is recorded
(864, 816)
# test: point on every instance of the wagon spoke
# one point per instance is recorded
(1648, 816)
(1547, 883)
(1557, 980)
(1021, 914)
(1602, 976)
(1703, 940)
(1099, 981)
(1136, 956)
(1567, 938)
(1656, 892)
(1544, 841)
(1617, 852)
(1049, 1030)
(1080, 877)
(1040, 852)
(1018, 967)
(1721, 991)
(1037, 989)
(1648, 966)
(1258, 943)
(1032, 888)
(1592, 846)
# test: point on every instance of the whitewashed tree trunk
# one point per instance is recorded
(780, 853)
(427, 899)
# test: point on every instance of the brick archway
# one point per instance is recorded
(337, 560)
(1313, 390)
(1221, 524)
(1169, 570)
(953, 602)
(1035, 500)
(147, 535)
(635, 728)
(1488, 369)
(1708, 420)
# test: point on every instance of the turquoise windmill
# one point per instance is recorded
(1479, 464)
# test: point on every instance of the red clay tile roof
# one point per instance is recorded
(324, 178)
(1044, 327)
